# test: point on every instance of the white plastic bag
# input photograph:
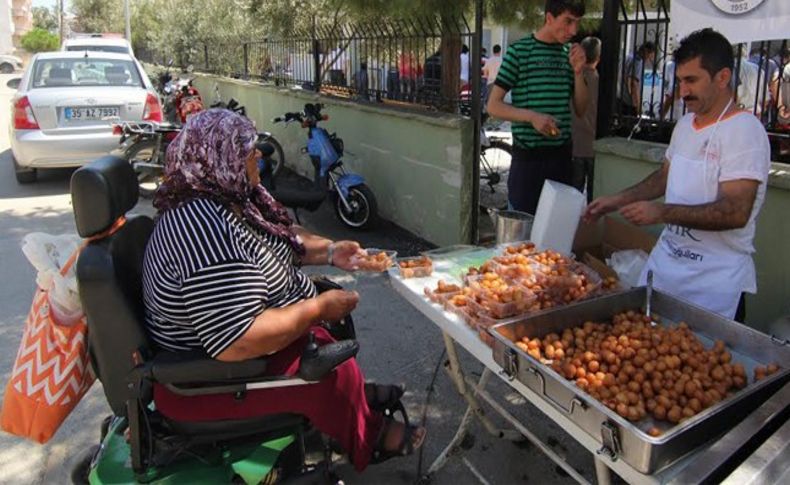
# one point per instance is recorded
(48, 254)
(628, 265)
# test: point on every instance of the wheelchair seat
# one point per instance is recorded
(109, 274)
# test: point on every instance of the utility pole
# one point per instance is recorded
(61, 29)
(128, 21)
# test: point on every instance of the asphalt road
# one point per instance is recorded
(398, 345)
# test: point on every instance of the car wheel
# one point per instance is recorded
(6, 68)
(24, 175)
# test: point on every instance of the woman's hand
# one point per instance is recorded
(336, 304)
(345, 255)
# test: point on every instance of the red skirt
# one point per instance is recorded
(336, 406)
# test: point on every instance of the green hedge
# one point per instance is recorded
(39, 40)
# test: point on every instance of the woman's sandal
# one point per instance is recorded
(385, 398)
(406, 447)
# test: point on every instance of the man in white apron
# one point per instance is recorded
(713, 179)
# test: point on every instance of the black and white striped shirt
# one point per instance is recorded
(206, 277)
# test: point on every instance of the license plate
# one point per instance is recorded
(93, 113)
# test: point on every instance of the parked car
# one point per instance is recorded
(98, 43)
(9, 63)
(65, 105)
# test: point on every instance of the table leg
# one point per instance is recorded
(603, 474)
(457, 374)
(454, 443)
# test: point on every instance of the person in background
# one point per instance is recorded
(464, 67)
(783, 105)
(635, 68)
(361, 82)
(545, 74)
(491, 70)
(746, 83)
(583, 127)
(713, 181)
(769, 76)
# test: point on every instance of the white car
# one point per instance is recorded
(9, 63)
(98, 43)
(66, 103)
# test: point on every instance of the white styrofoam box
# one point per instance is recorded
(559, 210)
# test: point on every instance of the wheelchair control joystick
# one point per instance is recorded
(311, 350)
(317, 362)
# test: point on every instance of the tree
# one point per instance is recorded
(40, 40)
(45, 19)
(98, 15)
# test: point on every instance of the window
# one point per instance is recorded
(85, 72)
(118, 49)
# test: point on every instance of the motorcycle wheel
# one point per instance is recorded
(364, 209)
(278, 157)
(144, 152)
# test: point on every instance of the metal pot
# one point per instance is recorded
(511, 225)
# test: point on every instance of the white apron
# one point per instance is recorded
(698, 266)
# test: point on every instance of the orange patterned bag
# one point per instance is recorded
(51, 373)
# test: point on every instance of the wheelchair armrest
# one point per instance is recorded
(194, 373)
(196, 366)
(323, 284)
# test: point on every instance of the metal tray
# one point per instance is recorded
(619, 438)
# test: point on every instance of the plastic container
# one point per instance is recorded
(440, 297)
(517, 247)
(421, 271)
(517, 268)
(518, 301)
(466, 312)
(582, 283)
(369, 264)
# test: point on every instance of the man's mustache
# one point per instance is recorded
(690, 98)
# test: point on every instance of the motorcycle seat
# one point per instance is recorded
(309, 199)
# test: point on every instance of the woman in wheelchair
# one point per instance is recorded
(222, 273)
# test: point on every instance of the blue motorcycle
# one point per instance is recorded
(354, 202)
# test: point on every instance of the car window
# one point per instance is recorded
(119, 49)
(85, 72)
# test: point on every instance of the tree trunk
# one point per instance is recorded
(451, 71)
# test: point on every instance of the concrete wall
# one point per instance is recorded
(413, 162)
(620, 163)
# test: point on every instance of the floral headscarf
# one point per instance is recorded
(208, 159)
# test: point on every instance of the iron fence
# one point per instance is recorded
(646, 102)
(383, 61)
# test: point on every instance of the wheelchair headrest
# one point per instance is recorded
(101, 192)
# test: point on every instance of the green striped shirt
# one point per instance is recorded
(540, 77)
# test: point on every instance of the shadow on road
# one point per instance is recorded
(50, 182)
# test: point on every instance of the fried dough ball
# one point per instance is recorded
(635, 368)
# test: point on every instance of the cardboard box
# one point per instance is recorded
(596, 242)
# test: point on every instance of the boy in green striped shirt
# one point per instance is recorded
(544, 74)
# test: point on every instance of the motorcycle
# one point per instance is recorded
(354, 202)
(144, 145)
(187, 100)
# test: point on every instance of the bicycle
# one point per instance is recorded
(495, 156)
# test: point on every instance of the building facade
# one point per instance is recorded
(22, 16)
(6, 27)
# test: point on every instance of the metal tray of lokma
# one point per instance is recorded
(630, 441)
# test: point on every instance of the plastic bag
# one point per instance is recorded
(628, 265)
(48, 253)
